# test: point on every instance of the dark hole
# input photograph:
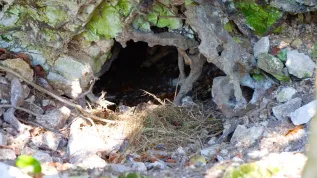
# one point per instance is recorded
(140, 67)
(247, 93)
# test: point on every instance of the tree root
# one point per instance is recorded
(196, 63)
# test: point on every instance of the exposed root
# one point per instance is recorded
(196, 63)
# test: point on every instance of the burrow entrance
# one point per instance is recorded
(153, 69)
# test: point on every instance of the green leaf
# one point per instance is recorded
(28, 163)
(282, 55)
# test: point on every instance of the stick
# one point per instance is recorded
(65, 101)
(19, 108)
(156, 98)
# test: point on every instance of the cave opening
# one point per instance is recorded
(137, 68)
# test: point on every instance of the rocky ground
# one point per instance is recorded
(269, 140)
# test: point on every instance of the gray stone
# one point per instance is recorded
(7, 154)
(246, 136)
(283, 110)
(3, 139)
(48, 139)
(299, 64)
(139, 166)
(210, 151)
(262, 46)
(223, 94)
(157, 165)
(62, 85)
(270, 64)
(20, 66)
(9, 117)
(303, 114)
(54, 119)
(41, 156)
(7, 171)
(120, 168)
(285, 94)
(91, 162)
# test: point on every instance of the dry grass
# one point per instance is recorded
(169, 126)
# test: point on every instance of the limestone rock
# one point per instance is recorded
(55, 118)
(285, 94)
(7, 154)
(262, 46)
(303, 114)
(20, 66)
(299, 64)
(139, 166)
(8, 171)
(209, 151)
(224, 96)
(270, 64)
(283, 110)
(120, 168)
(3, 139)
(48, 140)
(246, 136)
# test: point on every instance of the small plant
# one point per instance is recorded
(30, 165)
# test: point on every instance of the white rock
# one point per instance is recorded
(283, 110)
(7, 171)
(54, 119)
(156, 165)
(91, 162)
(210, 151)
(303, 114)
(7, 154)
(212, 141)
(299, 64)
(285, 94)
(262, 46)
(41, 156)
(119, 168)
(48, 139)
(3, 139)
(246, 136)
(139, 166)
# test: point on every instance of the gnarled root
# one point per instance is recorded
(196, 63)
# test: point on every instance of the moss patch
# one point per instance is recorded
(260, 18)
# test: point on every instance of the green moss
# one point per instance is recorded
(55, 15)
(124, 7)
(228, 27)
(104, 23)
(282, 78)
(141, 24)
(161, 16)
(260, 18)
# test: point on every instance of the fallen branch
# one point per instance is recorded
(65, 101)
(19, 108)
